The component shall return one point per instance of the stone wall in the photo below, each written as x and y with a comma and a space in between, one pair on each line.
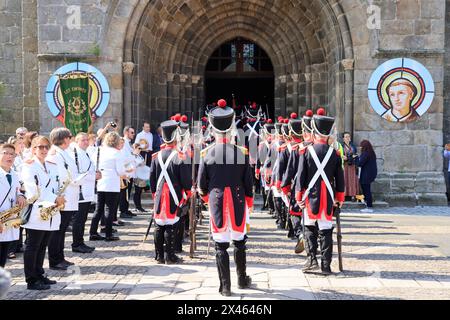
409, 155
11, 115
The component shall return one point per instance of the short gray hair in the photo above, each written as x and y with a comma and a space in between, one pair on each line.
58, 135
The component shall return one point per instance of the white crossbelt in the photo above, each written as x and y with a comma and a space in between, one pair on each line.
253, 131
165, 175
320, 171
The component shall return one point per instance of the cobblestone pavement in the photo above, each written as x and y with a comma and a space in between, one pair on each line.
387, 255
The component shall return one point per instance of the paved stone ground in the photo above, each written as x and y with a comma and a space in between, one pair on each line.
399, 253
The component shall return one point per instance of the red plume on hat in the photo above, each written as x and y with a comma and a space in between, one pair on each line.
172, 118
204, 119
203, 127
321, 112
269, 121
294, 115
177, 117
309, 113
184, 118
286, 121
280, 119
254, 105
222, 103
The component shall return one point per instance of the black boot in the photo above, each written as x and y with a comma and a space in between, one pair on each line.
169, 236
279, 212
240, 259
159, 243
223, 268
264, 195
179, 233
290, 227
326, 249
311, 245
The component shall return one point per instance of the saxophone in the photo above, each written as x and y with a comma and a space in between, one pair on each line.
11, 217
47, 213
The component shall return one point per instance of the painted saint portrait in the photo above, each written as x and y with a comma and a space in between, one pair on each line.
401, 90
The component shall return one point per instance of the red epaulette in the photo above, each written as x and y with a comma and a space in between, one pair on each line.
155, 155
181, 155
302, 148
296, 146
282, 147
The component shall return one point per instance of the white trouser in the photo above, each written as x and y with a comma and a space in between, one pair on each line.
167, 222
229, 235
322, 223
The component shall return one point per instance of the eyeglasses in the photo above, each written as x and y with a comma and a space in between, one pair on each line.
5, 153
46, 147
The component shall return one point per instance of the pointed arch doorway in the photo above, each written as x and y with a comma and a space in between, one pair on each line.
240, 67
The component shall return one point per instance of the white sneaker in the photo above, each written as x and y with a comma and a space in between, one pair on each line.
366, 210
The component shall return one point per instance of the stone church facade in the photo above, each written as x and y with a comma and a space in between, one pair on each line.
154, 54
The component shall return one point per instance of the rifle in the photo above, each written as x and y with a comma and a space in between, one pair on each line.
337, 214
148, 229
192, 224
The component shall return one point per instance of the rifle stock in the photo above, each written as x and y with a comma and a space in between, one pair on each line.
337, 213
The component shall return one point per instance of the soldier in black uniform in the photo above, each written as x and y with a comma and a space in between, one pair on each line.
319, 193
300, 128
225, 182
170, 183
263, 151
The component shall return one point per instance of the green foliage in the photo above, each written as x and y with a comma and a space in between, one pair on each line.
95, 50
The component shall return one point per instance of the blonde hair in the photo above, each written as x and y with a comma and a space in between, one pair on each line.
112, 139
80, 135
38, 139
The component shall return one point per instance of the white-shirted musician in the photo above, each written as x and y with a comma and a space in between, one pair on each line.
10, 196
145, 140
67, 169
112, 168
86, 191
39, 176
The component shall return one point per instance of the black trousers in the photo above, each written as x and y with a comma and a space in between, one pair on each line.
79, 223
4, 250
56, 243
34, 253
367, 194
124, 203
137, 196
111, 200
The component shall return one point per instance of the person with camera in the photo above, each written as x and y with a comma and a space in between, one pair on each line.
350, 168
40, 181
131, 153
111, 166
170, 183
146, 140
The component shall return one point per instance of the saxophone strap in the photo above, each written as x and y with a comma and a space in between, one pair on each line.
6, 197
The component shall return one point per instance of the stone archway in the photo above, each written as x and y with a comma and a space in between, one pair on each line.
169, 45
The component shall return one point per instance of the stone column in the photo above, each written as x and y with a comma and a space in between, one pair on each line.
128, 112
30, 73
348, 94
183, 79
176, 94
308, 91
283, 93
195, 103
169, 93
295, 77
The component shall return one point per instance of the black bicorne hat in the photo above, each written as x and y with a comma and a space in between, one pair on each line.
269, 128
221, 117
322, 125
169, 129
295, 125
278, 126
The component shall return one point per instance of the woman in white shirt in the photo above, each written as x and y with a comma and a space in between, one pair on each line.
111, 166
39, 174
